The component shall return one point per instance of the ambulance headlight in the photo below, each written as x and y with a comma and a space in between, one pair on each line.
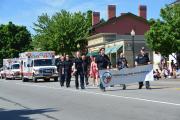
55, 71
12, 73
17, 73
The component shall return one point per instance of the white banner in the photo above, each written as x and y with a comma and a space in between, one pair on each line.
126, 75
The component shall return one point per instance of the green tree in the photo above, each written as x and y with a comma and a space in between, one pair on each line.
164, 35
14, 39
62, 32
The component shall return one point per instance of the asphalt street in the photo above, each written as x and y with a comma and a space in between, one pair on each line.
49, 101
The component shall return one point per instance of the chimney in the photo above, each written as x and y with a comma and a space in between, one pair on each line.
111, 11
95, 18
142, 11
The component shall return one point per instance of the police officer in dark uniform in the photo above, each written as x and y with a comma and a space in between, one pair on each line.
143, 59
60, 68
103, 62
67, 70
79, 71
121, 63
85, 65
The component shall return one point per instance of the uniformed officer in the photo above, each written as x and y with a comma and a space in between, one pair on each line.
143, 59
85, 65
121, 63
79, 71
60, 68
67, 70
103, 62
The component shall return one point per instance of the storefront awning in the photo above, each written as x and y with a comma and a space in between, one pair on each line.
95, 53
115, 49
108, 50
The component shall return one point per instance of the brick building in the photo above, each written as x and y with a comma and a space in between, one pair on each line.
114, 34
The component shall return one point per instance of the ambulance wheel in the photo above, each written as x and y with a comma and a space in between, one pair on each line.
56, 79
24, 79
6, 78
34, 79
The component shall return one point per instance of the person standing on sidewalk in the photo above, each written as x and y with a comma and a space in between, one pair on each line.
142, 59
78, 71
121, 63
60, 68
67, 70
103, 62
85, 66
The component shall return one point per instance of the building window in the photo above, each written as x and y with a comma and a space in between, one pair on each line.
110, 38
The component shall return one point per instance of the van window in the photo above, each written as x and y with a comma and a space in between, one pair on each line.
43, 62
15, 66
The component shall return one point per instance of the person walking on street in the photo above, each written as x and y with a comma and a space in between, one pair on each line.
142, 59
85, 66
121, 63
103, 62
60, 68
79, 71
67, 70
94, 72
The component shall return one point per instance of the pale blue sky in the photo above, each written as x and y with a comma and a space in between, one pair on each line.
25, 12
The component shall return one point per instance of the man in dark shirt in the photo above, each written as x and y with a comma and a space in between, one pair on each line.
121, 63
60, 68
67, 70
79, 71
103, 62
85, 68
143, 59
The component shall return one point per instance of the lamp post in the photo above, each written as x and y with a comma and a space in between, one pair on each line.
78, 46
133, 35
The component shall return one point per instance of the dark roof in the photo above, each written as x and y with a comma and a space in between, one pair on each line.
118, 18
176, 2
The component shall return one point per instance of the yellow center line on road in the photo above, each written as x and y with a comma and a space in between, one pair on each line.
177, 88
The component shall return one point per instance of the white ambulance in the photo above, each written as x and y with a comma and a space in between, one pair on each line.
38, 65
11, 68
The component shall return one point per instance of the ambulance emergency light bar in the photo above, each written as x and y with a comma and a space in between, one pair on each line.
39, 54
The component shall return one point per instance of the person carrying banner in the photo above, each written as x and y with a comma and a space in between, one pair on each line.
142, 59
121, 63
103, 62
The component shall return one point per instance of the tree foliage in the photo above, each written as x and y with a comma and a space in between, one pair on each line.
62, 32
14, 39
164, 35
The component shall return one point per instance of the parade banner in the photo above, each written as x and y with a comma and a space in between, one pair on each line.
126, 75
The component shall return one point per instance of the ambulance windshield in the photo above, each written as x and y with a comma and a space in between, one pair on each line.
15, 66
43, 62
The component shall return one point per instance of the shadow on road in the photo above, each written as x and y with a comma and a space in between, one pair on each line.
23, 114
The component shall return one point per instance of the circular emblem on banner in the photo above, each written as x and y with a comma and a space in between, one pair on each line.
107, 77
